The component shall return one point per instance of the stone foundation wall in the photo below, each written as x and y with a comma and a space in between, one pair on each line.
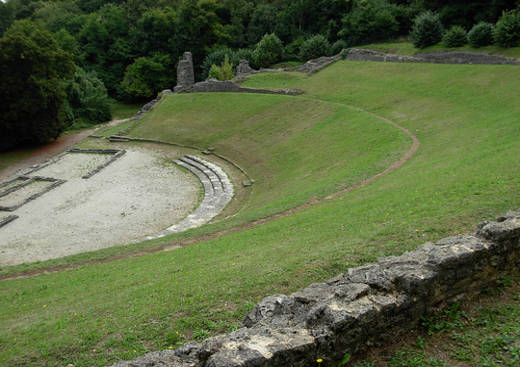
214, 85
362, 307
437, 57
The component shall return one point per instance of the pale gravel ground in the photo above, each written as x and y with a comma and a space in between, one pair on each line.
137, 195
17, 197
73, 165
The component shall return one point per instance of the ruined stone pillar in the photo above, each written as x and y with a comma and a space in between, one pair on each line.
185, 73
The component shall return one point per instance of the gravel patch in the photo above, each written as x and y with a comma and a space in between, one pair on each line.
73, 165
137, 195
17, 197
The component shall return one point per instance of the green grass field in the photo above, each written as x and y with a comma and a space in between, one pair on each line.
407, 49
466, 169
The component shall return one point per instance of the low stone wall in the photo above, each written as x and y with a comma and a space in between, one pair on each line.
213, 85
437, 57
357, 309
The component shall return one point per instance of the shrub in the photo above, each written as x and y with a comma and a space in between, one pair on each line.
147, 76
268, 51
481, 35
369, 21
216, 57
344, 53
222, 72
292, 50
507, 29
314, 47
339, 46
455, 37
87, 99
427, 30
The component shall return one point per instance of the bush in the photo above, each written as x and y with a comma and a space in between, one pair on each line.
314, 47
427, 30
146, 77
369, 21
455, 37
344, 53
268, 51
222, 72
217, 57
339, 46
507, 29
87, 99
292, 50
481, 35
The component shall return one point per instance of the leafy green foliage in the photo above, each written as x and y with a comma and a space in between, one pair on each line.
268, 51
292, 50
314, 47
481, 35
33, 68
507, 29
456, 36
369, 21
339, 46
222, 72
147, 76
87, 98
427, 30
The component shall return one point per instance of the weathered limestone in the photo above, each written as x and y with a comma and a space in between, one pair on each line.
218, 192
315, 65
214, 85
244, 68
362, 307
185, 73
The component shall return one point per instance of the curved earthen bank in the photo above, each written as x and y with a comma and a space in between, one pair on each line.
367, 304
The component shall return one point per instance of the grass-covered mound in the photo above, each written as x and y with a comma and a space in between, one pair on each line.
296, 149
466, 169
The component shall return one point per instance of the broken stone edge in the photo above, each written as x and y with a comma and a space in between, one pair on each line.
363, 307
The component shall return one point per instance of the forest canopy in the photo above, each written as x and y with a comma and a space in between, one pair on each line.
133, 46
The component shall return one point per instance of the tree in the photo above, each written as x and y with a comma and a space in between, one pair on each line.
222, 72
507, 29
369, 21
147, 76
427, 30
33, 68
268, 51
314, 47
87, 98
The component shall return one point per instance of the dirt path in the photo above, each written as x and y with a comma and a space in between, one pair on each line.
47, 151
173, 246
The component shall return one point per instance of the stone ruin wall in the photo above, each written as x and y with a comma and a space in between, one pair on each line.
364, 306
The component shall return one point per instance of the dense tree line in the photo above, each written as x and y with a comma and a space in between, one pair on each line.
133, 46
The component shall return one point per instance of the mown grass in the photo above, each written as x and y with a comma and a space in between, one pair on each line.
296, 149
407, 49
121, 110
466, 170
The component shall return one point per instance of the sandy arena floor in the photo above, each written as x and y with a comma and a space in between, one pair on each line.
137, 195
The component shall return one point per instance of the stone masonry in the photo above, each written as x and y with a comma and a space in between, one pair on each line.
185, 73
362, 307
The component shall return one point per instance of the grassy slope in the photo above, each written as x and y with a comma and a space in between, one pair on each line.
296, 149
484, 333
407, 48
466, 169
